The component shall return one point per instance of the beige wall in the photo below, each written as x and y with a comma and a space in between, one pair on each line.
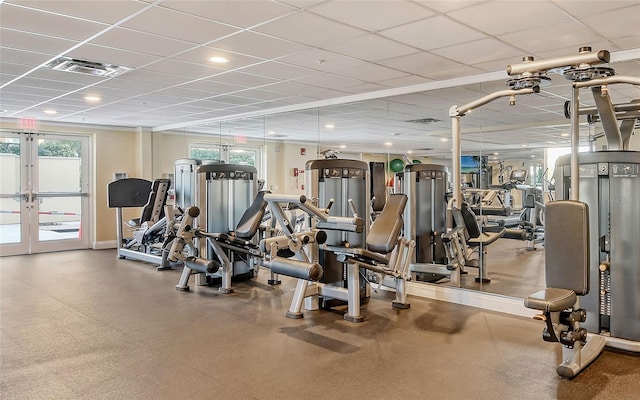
146, 154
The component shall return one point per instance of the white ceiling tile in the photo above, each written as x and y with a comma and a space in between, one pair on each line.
404, 81
321, 60
211, 86
303, 4
498, 65
568, 51
278, 70
182, 68
433, 33
27, 20
242, 79
108, 55
23, 57
479, 51
238, 13
155, 77
33, 42
50, 84
496, 18
372, 15
371, 73
330, 81
173, 24
627, 42
447, 5
130, 40
371, 48
294, 88
261, 94
127, 84
95, 10
13, 69
256, 44
592, 7
451, 73
181, 93
201, 55
626, 20
306, 28
62, 76
565, 34
419, 63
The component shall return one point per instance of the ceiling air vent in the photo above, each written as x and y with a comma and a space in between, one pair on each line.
86, 67
425, 121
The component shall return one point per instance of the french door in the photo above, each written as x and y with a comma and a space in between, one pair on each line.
44, 192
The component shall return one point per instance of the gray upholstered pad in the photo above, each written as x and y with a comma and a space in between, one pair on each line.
551, 299
566, 245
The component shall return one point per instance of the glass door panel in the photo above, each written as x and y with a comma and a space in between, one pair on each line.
44, 193
13, 230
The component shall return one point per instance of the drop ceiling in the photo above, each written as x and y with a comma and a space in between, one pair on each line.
296, 68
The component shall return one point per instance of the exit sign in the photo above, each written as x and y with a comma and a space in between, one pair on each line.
29, 123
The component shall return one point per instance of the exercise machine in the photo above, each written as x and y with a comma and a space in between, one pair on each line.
567, 277
149, 232
385, 254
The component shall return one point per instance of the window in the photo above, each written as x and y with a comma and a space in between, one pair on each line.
243, 155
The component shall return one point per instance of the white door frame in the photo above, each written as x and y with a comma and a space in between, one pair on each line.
30, 196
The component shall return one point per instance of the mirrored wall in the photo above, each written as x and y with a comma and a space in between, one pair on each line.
509, 147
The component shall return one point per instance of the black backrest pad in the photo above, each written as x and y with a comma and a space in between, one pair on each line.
566, 243
250, 221
470, 221
129, 192
156, 201
384, 232
378, 185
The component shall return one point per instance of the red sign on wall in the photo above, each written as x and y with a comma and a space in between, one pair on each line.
29, 123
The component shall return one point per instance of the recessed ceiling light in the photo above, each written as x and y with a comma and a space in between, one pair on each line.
329, 126
496, 153
92, 99
409, 152
444, 139
523, 145
564, 134
342, 146
50, 112
533, 156
219, 60
271, 132
388, 144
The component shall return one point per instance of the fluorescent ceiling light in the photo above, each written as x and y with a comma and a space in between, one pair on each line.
219, 60
92, 99
50, 112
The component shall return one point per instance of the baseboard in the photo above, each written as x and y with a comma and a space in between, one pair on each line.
471, 298
105, 244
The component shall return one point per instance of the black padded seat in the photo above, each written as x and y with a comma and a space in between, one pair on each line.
551, 300
382, 237
476, 236
252, 217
